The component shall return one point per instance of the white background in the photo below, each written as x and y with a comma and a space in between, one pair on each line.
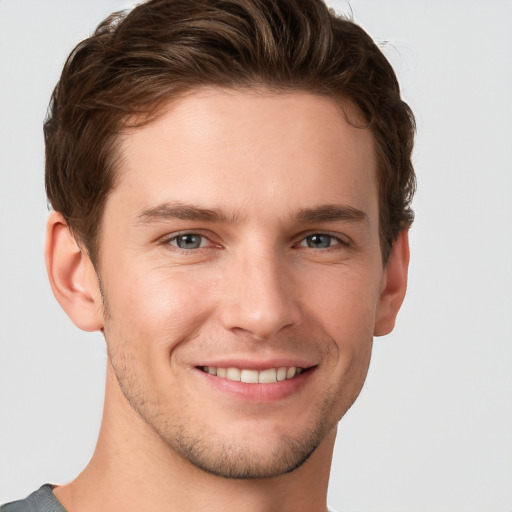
432, 429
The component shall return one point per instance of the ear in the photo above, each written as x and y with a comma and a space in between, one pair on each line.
393, 285
72, 276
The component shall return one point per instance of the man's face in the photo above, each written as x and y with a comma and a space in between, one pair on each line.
241, 242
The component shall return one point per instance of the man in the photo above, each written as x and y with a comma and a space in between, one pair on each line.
231, 185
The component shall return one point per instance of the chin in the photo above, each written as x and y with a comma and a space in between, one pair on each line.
251, 449
238, 460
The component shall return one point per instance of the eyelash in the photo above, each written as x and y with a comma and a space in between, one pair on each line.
303, 242
176, 237
339, 241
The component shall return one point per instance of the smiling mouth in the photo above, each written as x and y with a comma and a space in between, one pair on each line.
268, 376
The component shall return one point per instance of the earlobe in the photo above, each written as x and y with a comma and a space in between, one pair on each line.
72, 276
394, 285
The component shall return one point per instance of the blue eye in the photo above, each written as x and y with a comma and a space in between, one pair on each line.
188, 241
320, 241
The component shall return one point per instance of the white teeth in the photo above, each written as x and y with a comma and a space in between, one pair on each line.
268, 376
233, 374
249, 376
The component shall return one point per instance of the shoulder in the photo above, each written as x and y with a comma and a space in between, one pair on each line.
42, 500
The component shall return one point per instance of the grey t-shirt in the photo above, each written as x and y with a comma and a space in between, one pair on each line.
42, 500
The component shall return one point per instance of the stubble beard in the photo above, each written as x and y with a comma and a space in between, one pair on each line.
233, 458
236, 461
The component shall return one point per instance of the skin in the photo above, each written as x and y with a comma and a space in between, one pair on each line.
286, 272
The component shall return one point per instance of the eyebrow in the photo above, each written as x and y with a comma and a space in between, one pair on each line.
173, 211
332, 212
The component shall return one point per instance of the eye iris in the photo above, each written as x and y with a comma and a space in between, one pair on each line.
319, 241
188, 241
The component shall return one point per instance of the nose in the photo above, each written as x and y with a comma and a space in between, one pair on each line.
261, 295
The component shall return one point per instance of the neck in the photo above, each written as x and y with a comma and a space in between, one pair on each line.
132, 468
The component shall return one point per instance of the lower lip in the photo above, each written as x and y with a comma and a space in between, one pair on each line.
259, 393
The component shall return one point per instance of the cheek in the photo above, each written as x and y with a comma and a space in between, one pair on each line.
345, 301
155, 310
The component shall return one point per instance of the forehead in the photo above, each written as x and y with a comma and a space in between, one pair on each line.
250, 149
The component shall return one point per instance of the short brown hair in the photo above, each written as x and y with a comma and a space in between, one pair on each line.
137, 61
